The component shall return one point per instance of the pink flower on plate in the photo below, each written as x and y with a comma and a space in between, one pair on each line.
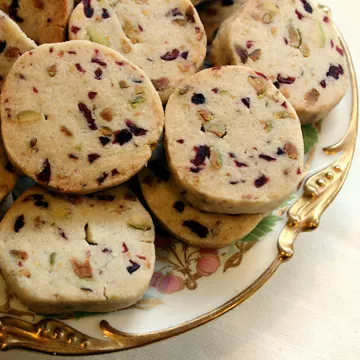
167, 284
207, 264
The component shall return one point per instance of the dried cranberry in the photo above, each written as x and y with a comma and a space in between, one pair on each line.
134, 267
104, 140
299, 14
284, 105
114, 172
197, 228
19, 223
93, 157
232, 155
198, 99
335, 71
98, 74
307, 6
92, 95
189, 14
202, 152
289, 80
86, 112
277, 84
125, 249
122, 137
179, 206
98, 61
174, 12
233, 182
240, 164
13, 9
332, 43
3, 44
261, 181
326, 19
323, 83
280, 151
105, 14
62, 233
184, 55
72, 156
102, 178
246, 102
249, 44
137, 131
180, 141
44, 175
106, 197
107, 251
196, 170
261, 75
266, 157
79, 68
286, 41
88, 10
170, 55
340, 50
38, 199
75, 29
215, 90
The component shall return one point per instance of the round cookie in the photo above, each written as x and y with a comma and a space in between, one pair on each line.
233, 141
8, 177
61, 254
195, 227
213, 13
79, 117
296, 45
43, 21
13, 43
166, 39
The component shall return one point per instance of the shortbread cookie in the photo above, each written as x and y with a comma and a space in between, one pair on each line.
79, 117
60, 254
195, 227
8, 176
164, 38
296, 45
213, 13
42, 20
234, 143
13, 43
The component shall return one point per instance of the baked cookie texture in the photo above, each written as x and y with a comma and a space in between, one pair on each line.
60, 254
94, 134
295, 44
233, 141
43, 21
8, 177
164, 38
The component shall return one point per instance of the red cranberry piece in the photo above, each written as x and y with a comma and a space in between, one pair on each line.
185, 54
170, 55
215, 90
280, 151
141, 257
98, 74
75, 29
19, 223
125, 249
202, 152
340, 50
307, 6
72, 156
326, 19
114, 172
137, 131
140, 27
62, 233
332, 44
197, 228
261, 75
286, 41
92, 95
246, 102
198, 99
134, 267
233, 182
284, 105
79, 68
249, 44
277, 84
93, 157
180, 141
261, 181
88, 10
174, 12
323, 83
45, 174
196, 170
266, 157
122, 137
102, 178
335, 71
104, 140
179, 206
105, 14
299, 14
35, 90
98, 61
232, 155
240, 164
107, 251
282, 80
86, 112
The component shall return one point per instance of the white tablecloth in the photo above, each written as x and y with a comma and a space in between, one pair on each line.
310, 309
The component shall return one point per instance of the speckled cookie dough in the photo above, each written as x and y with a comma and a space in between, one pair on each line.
296, 45
164, 38
8, 176
166, 201
61, 254
43, 21
13, 43
233, 141
79, 117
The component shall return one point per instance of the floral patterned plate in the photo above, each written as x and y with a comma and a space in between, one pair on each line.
192, 286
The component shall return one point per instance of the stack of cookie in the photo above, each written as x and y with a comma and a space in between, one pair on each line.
83, 117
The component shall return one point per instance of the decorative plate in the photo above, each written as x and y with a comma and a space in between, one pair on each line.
192, 286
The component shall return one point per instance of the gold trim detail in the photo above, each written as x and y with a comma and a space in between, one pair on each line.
52, 336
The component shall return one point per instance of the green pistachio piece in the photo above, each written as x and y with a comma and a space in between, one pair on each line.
28, 116
96, 36
216, 129
215, 157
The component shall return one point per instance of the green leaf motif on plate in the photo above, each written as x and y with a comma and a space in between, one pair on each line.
264, 227
310, 135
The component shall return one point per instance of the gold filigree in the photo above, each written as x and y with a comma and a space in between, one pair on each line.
319, 191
